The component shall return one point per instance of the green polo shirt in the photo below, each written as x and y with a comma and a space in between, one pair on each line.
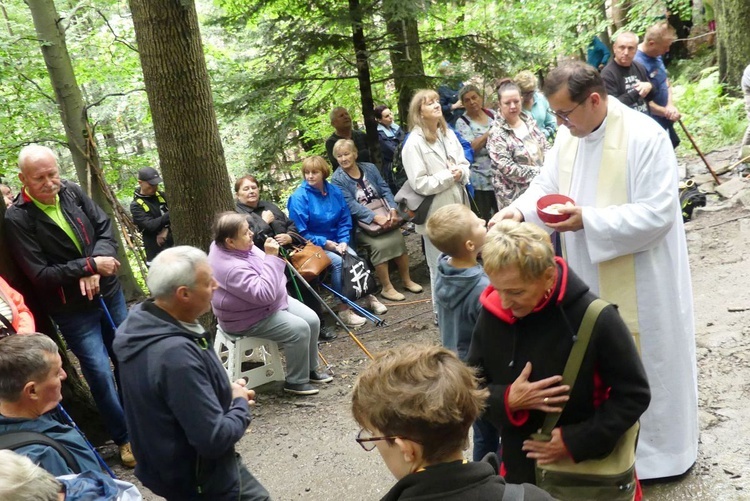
55, 214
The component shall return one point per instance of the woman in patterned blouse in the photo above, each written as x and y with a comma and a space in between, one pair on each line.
516, 146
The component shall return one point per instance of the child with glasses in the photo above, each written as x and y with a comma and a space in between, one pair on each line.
415, 404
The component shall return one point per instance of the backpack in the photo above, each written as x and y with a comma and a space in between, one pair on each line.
690, 198
16, 439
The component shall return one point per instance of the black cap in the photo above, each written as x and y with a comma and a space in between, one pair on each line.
150, 175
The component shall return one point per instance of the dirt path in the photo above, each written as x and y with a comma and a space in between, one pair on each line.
304, 449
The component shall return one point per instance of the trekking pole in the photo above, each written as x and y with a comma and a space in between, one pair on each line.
362, 311
309, 287
700, 153
88, 444
106, 313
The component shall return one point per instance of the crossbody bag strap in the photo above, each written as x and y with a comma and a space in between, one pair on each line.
573, 365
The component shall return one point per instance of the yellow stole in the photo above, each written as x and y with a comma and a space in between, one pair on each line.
616, 276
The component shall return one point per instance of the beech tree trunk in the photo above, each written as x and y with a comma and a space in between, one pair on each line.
81, 143
733, 42
186, 132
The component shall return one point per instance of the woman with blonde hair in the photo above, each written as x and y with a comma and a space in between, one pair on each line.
362, 184
529, 323
536, 104
434, 163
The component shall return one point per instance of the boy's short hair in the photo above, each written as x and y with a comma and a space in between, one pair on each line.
422, 393
449, 227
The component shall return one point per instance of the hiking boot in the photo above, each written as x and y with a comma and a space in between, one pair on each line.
327, 334
351, 319
375, 306
392, 295
320, 377
301, 389
126, 456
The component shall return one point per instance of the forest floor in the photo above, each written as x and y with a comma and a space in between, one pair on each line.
303, 448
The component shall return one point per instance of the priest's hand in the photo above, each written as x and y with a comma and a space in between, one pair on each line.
546, 452
506, 213
573, 223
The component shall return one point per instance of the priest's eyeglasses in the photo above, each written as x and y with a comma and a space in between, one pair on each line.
563, 115
367, 441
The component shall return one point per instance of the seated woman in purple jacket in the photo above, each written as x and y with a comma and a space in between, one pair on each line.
251, 300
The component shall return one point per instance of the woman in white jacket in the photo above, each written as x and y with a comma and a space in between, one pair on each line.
434, 162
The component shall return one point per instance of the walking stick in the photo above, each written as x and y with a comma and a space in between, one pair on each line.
700, 153
304, 282
75, 426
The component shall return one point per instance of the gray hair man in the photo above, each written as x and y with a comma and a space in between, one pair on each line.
65, 244
341, 121
625, 78
185, 415
31, 377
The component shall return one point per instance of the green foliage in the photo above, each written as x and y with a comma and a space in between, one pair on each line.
713, 118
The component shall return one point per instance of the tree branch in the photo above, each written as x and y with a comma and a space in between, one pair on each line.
32, 82
114, 34
115, 94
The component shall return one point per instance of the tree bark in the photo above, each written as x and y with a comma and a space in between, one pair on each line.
365, 86
732, 27
186, 132
82, 146
406, 61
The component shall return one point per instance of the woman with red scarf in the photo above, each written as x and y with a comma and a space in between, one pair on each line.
529, 321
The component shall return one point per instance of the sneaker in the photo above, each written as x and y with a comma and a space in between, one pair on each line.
126, 456
320, 377
301, 389
392, 295
327, 334
375, 306
351, 319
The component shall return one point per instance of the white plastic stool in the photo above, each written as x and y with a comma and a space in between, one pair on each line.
262, 354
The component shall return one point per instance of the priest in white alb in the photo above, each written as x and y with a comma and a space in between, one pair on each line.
626, 239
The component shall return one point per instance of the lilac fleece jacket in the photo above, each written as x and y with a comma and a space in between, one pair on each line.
252, 287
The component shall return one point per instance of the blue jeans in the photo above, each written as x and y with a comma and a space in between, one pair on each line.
337, 263
486, 439
89, 335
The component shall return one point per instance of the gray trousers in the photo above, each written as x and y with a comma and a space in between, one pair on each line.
431, 255
296, 329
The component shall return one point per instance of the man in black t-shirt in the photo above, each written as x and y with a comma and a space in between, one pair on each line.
626, 79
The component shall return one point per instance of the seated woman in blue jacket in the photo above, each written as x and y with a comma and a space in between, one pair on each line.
322, 216
362, 184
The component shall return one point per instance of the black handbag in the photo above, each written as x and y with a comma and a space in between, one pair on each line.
415, 206
357, 279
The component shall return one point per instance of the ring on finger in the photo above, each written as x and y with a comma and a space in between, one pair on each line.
546, 400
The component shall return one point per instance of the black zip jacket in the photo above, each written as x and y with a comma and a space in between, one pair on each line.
151, 215
261, 229
50, 259
609, 395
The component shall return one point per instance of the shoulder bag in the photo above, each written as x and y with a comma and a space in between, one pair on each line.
307, 258
380, 207
608, 479
415, 206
